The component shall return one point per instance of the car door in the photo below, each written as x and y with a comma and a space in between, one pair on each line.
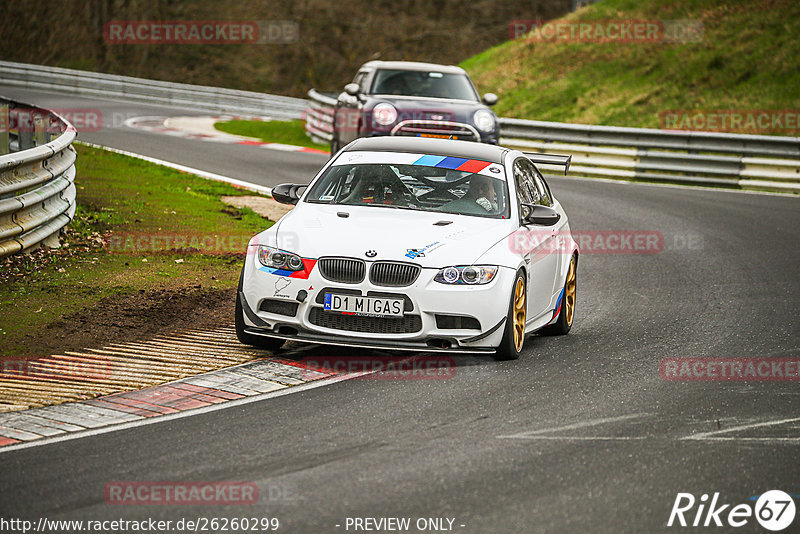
561, 249
540, 255
348, 112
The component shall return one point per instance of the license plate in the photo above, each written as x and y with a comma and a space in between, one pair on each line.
438, 136
368, 306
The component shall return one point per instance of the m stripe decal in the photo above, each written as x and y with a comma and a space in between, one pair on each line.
429, 161
449, 162
473, 165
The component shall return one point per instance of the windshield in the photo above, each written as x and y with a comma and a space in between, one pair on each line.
417, 187
423, 83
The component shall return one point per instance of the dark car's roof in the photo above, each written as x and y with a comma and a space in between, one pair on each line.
413, 65
439, 147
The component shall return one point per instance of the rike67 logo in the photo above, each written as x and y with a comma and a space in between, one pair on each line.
774, 510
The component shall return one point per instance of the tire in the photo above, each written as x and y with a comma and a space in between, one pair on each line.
268, 343
514, 332
567, 314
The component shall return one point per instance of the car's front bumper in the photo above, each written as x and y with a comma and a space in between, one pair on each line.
307, 321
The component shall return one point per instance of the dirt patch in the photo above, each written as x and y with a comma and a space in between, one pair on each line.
72, 243
133, 317
266, 207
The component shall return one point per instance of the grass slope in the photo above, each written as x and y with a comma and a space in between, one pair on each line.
286, 132
748, 59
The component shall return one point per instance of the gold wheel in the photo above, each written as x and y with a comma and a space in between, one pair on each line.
519, 314
569, 297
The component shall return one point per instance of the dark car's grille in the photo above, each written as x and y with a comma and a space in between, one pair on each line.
393, 274
426, 127
373, 325
345, 270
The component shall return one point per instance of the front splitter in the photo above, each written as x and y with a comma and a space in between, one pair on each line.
345, 341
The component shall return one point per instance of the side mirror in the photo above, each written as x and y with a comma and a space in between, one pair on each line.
287, 193
490, 99
352, 89
541, 215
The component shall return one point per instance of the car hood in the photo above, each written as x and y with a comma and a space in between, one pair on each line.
315, 230
417, 108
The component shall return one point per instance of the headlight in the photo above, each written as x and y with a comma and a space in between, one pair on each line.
466, 274
384, 114
484, 120
279, 259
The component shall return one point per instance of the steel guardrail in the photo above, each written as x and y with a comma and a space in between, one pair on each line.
114, 86
319, 117
692, 157
37, 181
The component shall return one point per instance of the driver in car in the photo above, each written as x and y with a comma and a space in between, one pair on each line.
480, 198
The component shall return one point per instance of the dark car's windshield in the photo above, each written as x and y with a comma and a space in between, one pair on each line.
429, 84
417, 187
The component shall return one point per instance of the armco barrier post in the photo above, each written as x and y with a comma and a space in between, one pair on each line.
5, 141
39, 132
25, 130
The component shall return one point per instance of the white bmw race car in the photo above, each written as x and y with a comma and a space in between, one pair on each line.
417, 244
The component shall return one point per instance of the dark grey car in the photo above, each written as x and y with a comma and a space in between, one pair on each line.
413, 99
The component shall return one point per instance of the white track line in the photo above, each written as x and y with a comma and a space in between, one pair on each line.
776, 441
711, 435
536, 434
578, 438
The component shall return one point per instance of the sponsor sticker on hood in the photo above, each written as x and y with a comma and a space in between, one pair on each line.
415, 253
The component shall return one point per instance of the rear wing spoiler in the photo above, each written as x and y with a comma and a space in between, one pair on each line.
550, 159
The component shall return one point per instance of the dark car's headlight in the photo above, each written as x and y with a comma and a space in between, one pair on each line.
484, 120
466, 274
279, 259
384, 114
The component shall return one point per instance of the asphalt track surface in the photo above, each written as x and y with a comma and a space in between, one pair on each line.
580, 435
